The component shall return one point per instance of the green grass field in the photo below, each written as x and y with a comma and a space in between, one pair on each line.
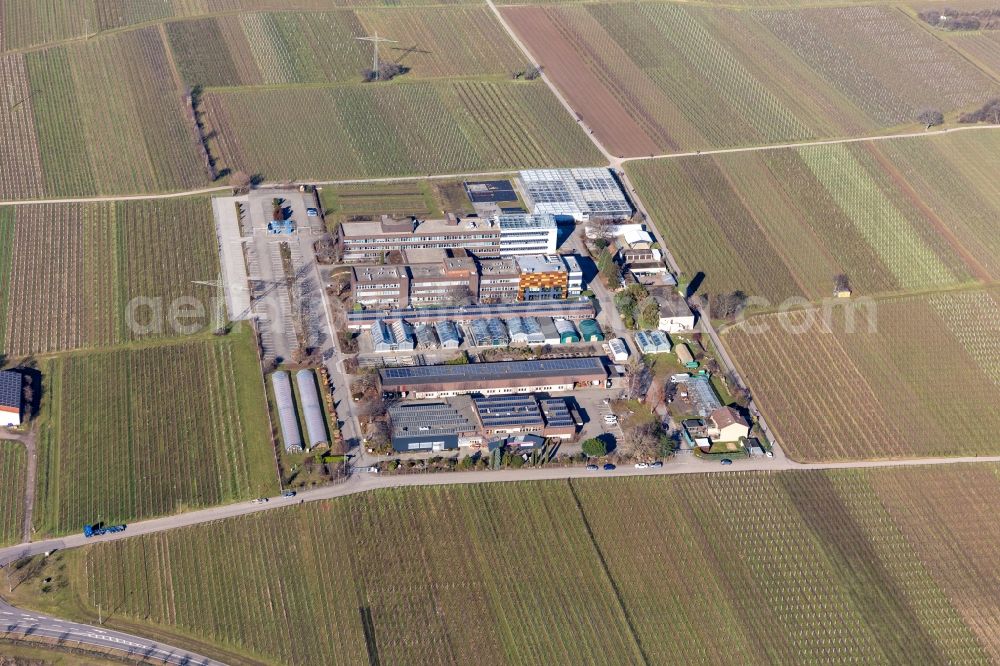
107, 254
12, 468
774, 567
134, 433
907, 214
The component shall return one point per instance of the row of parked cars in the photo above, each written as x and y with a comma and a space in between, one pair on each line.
609, 467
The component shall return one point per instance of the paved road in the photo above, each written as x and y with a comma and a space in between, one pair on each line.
363, 482
29, 624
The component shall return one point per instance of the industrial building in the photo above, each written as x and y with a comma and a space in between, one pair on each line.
10, 398
558, 420
433, 426
550, 335
549, 375
286, 411
578, 194
508, 234
312, 410
508, 414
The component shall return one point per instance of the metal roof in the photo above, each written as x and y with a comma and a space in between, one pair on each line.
437, 418
541, 369
506, 411
311, 408
556, 413
10, 388
286, 411
447, 332
568, 308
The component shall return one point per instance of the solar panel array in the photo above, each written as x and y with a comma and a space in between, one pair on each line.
507, 411
10, 389
552, 367
427, 419
556, 413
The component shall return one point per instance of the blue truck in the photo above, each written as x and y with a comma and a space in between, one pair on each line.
98, 529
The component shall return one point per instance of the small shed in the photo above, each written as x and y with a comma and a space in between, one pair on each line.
11, 394
286, 411
312, 411
617, 350
567, 332
550, 336
684, 355
590, 331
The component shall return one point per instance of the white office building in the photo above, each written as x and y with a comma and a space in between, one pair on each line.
527, 234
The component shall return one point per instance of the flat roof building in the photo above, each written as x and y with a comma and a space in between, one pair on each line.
11, 393
508, 414
568, 309
432, 426
579, 194
431, 381
542, 278
522, 233
558, 421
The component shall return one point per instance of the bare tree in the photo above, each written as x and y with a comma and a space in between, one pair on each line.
930, 117
638, 378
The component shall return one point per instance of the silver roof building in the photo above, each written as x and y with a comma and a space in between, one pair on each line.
575, 193
312, 410
286, 411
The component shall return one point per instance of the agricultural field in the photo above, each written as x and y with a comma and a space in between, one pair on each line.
288, 47
898, 377
983, 48
21, 170
107, 255
409, 128
782, 223
802, 560
656, 77
116, 99
12, 469
139, 432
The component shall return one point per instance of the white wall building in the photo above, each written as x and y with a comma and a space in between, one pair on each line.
10, 398
521, 234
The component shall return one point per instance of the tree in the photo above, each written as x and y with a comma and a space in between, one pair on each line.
609, 269
643, 441
240, 182
594, 448
649, 313
602, 229
987, 113
727, 306
930, 117
638, 378
841, 283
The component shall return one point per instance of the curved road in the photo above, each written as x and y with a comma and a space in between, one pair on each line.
33, 625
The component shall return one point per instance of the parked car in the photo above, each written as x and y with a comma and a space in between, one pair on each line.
610, 418
312, 212
657, 465
727, 461
608, 467
259, 500
641, 465
769, 454
288, 493
373, 469
592, 468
